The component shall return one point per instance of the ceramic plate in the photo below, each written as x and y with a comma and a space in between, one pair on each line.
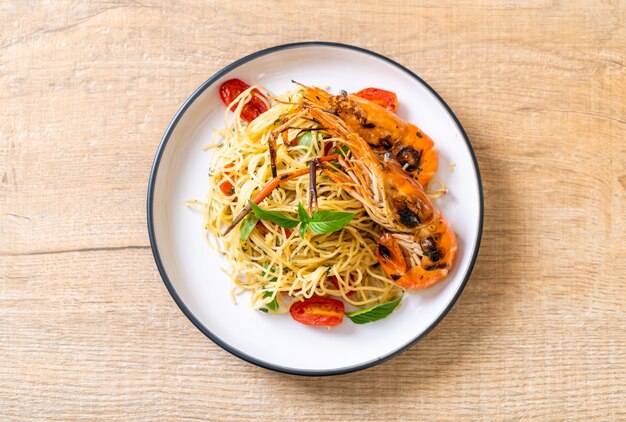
191, 270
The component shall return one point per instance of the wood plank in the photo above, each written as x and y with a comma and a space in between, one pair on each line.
88, 329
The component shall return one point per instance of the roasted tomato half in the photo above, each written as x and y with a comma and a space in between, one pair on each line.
232, 88
318, 311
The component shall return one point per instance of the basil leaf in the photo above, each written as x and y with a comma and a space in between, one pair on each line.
276, 217
374, 313
303, 213
306, 139
303, 227
247, 226
324, 222
304, 219
263, 310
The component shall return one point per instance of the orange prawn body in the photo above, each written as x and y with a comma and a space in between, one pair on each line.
416, 223
383, 130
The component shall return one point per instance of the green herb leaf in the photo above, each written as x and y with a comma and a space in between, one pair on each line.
276, 217
374, 313
247, 225
305, 139
324, 222
304, 219
263, 310
303, 213
303, 228
273, 305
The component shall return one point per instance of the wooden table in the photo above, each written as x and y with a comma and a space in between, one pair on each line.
87, 328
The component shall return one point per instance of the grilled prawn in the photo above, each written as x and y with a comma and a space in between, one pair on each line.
382, 129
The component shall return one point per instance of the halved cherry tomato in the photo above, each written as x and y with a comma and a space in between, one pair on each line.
318, 311
227, 188
385, 99
231, 89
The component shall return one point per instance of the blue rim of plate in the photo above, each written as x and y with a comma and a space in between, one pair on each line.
170, 287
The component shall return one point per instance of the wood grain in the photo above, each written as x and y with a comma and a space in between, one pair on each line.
88, 330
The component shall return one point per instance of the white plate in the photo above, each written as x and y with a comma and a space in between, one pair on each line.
190, 269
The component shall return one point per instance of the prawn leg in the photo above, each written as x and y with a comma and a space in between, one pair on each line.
312, 199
